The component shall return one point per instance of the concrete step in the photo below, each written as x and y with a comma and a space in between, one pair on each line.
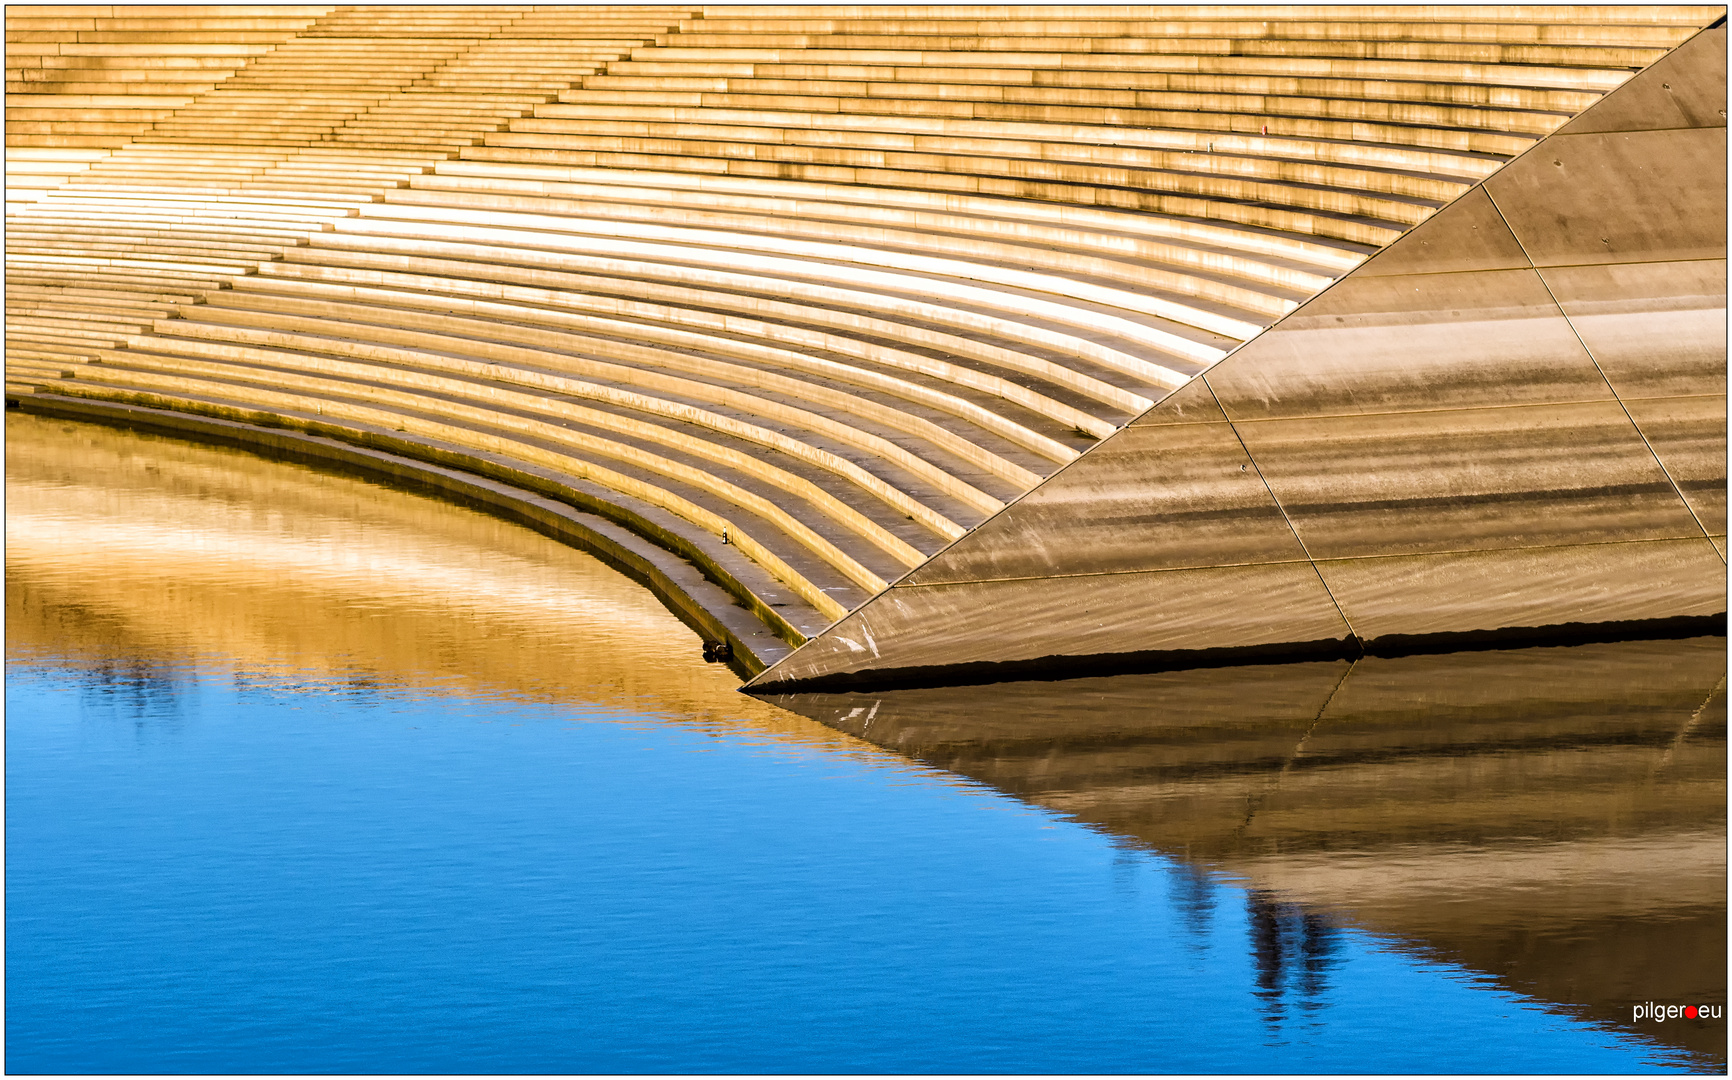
1400, 199
643, 419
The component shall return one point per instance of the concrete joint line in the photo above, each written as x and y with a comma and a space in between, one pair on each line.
1254, 803
1640, 434
898, 583
1685, 731
1300, 540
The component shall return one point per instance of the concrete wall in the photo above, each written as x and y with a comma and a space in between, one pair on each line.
1510, 422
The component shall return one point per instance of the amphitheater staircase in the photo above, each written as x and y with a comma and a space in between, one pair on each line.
794, 296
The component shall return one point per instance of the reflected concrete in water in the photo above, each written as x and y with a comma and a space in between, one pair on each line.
1551, 817
119, 542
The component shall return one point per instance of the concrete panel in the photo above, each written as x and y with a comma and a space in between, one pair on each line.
1486, 591
1416, 341
1192, 403
1154, 498
1633, 196
1450, 480
1011, 622
1656, 329
1472, 236
1688, 435
1686, 88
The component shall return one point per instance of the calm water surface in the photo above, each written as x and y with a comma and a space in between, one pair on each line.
308, 775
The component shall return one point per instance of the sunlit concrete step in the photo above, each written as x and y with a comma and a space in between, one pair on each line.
645, 393
81, 127
1397, 198
274, 133
60, 62
944, 380
1367, 231
989, 441
1492, 84
382, 81
719, 284
935, 86
660, 60
68, 141
1307, 48
114, 295
153, 281
413, 106
234, 54
167, 41
1345, 24
837, 488
30, 113
1005, 289
1282, 263
83, 328
144, 200
1396, 125
18, 166
714, 306
451, 143
131, 321
165, 87
427, 97
157, 24
515, 83
153, 172
161, 253
314, 71
1173, 279
1611, 14
241, 97
76, 299
58, 78
907, 131
28, 232
1328, 256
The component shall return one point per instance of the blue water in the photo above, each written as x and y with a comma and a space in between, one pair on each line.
215, 872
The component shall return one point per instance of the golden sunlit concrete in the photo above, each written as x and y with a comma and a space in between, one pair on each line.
800, 295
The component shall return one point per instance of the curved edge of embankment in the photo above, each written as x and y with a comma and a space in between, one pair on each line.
701, 594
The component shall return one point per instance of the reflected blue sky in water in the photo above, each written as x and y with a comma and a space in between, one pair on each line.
308, 775
212, 873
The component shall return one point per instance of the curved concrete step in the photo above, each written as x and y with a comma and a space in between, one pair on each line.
802, 295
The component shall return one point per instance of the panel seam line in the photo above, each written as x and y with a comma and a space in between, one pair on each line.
1321, 580
1640, 434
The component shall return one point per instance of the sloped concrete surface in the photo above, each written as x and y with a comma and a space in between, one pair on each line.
1433, 448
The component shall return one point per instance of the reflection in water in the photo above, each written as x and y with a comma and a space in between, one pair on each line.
1551, 820
1292, 947
1552, 817
145, 693
302, 577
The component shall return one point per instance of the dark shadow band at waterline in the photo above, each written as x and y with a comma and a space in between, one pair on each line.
1062, 667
